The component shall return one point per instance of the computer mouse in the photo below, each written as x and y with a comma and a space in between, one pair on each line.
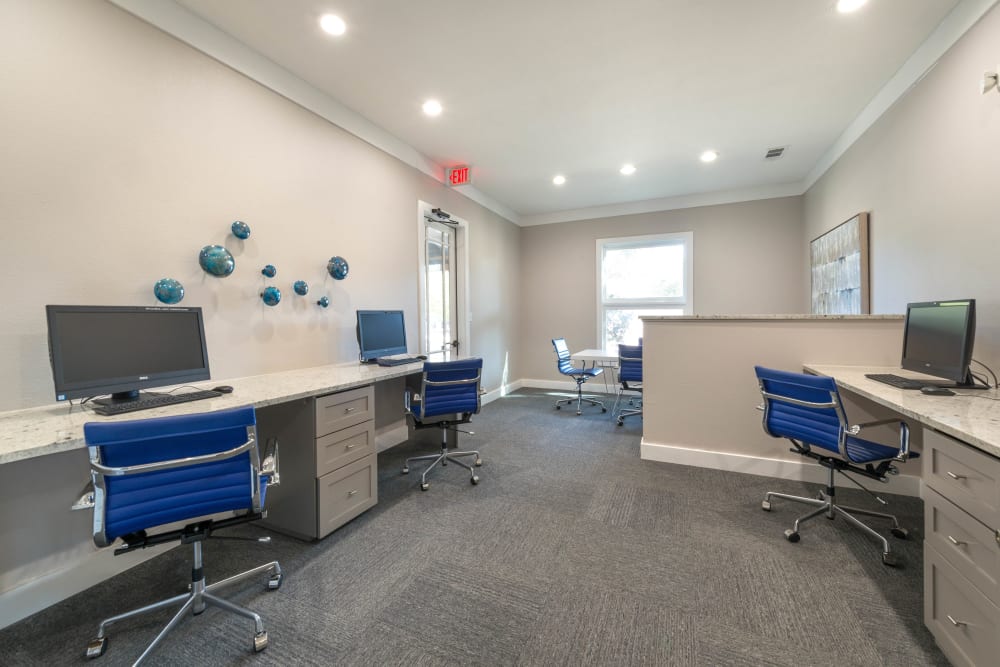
223, 389
422, 357
937, 391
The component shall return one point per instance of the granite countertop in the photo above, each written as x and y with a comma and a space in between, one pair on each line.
791, 316
56, 428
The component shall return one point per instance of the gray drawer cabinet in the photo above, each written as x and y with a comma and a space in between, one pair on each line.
328, 462
962, 549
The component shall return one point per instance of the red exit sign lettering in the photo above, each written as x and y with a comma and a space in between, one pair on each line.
458, 175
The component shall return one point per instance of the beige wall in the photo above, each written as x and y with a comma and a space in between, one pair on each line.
747, 260
126, 151
929, 172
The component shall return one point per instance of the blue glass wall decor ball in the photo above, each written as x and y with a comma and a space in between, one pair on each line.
216, 260
269, 271
301, 287
337, 267
241, 230
323, 302
271, 296
168, 290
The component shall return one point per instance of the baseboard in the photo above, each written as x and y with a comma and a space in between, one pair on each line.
85, 571
803, 471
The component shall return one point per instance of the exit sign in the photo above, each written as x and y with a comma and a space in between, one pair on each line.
458, 175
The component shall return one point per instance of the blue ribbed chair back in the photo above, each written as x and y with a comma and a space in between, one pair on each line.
445, 399
145, 500
630, 363
566, 366
819, 427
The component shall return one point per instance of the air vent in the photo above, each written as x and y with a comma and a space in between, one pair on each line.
774, 153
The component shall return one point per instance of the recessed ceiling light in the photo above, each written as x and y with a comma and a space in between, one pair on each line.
709, 156
432, 108
627, 169
559, 179
332, 24
845, 6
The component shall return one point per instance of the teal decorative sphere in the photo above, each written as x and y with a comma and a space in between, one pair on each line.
269, 271
216, 260
323, 302
301, 287
271, 296
337, 267
168, 290
241, 230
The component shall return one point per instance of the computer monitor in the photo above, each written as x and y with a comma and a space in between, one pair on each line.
118, 350
381, 333
938, 337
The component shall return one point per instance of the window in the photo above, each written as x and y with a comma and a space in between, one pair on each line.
641, 275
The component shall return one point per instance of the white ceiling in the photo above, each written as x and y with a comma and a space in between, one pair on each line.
579, 87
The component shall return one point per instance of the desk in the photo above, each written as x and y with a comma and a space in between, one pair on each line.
602, 359
961, 477
44, 467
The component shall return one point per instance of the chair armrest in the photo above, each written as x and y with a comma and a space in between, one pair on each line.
86, 500
904, 434
174, 463
269, 464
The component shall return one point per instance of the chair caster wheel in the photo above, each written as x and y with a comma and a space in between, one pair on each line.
406, 470
96, 647
578, 413
901, 533
889, 559
478, 462
558, 407
274, 582
791, 535
765, 505
424, 487
475, 480
604, 409
260, 641
621, 422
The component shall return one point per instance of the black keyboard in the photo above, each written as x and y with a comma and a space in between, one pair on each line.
151, 400
897, 380
396, 361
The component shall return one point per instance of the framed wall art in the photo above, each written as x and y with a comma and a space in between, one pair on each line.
838, 263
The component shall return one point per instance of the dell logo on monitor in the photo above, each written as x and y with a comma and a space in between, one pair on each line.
143, 377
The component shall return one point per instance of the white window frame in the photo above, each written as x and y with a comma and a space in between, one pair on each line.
686, 301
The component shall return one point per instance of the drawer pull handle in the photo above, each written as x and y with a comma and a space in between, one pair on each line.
957, 624
351, 446
957, 543
348, 410
954, 476
354, 491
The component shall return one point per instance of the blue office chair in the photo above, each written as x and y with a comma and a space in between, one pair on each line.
152, 472
808, 411
629, 379
580, 375
449, 396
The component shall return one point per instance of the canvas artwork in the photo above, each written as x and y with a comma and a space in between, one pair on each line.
839, 267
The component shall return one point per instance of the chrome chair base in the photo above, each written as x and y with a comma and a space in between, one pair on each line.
195, 601
825, 504
635, 401
443, 458
580, 400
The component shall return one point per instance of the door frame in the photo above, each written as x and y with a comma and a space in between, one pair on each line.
463, 327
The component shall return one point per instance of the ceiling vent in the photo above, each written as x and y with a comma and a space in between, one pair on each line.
774, 153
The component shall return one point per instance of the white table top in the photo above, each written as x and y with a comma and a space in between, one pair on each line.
971, 415
55, 428
595, 355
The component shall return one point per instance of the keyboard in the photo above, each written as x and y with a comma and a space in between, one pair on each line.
396, 361
153, 400
897, 381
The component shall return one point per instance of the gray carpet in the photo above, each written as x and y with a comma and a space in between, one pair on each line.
570, 551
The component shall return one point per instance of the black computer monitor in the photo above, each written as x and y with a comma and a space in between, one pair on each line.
118, 350
381, 333
938, 338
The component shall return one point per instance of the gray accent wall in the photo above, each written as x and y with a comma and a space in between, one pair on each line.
747, 260
929, 173
125, 151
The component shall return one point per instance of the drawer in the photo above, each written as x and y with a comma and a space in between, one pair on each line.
343, 409
966, 544
345, 493
964, 475
341, 447
962, 620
